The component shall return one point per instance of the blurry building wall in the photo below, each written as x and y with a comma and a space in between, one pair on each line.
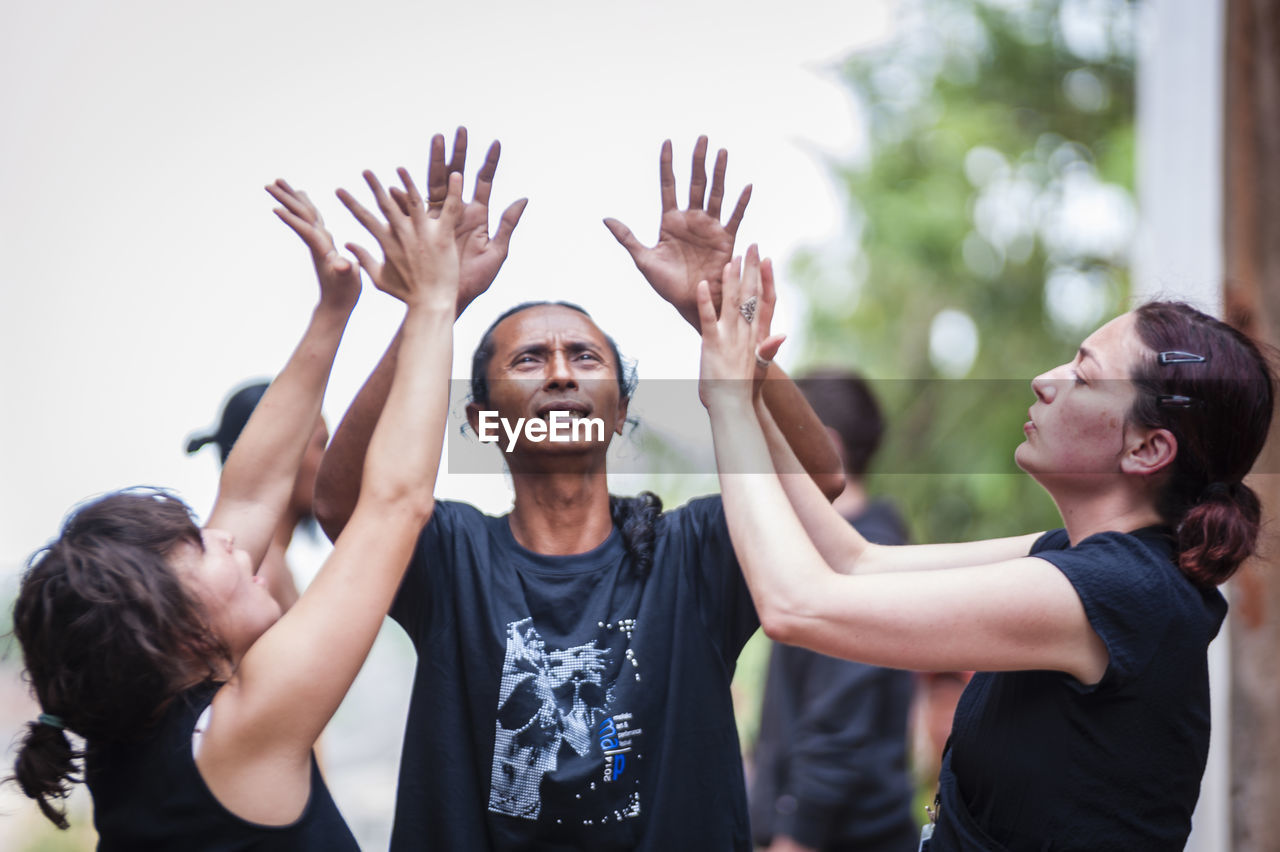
1178, 255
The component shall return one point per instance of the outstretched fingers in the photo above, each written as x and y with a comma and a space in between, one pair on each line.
507, 224
768, 298
437, 171
367, 261
452, 207
484, 180
739, 210
458, 162
389, 208
666, 177
370, 222
292, 200
717, 183
698, 174
410, 199
623, 235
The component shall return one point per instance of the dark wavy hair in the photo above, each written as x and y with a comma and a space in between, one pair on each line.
1215, 394
109, 633
635, 517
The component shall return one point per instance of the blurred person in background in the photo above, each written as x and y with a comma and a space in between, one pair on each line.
574, 655
157, 642
830, 764
299, 513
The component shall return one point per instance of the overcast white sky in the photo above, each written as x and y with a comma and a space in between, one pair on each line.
144, 274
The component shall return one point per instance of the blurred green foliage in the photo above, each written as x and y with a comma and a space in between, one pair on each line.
993, 208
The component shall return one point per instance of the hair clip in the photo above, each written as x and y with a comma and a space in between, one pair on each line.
1176, 400
1176, 356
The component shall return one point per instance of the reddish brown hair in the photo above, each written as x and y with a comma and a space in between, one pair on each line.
1215, 395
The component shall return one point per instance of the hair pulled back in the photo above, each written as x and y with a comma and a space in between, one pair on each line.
636, 517
1219, 411
109, 634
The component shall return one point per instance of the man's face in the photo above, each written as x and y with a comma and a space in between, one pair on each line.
552, 358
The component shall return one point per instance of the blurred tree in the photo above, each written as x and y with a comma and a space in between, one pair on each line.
992, 219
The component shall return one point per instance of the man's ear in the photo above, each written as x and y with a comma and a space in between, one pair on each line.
1150, 451
473, 417
620, 422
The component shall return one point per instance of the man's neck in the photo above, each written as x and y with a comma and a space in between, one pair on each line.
562, 513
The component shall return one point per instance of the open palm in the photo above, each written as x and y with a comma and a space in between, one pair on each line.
480, 255
693, 245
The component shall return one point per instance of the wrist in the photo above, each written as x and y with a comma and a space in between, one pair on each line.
731, 398
332, 310
432, 303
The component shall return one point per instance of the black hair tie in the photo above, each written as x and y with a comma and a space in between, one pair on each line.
1217, 491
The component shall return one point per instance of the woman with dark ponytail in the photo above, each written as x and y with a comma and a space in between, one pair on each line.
1087, 725
158, 644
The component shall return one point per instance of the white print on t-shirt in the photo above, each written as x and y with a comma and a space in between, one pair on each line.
551, 698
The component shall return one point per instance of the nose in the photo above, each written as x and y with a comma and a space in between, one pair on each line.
560, 372
1043, 386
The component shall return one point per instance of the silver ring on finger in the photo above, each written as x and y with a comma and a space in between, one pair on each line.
748, 309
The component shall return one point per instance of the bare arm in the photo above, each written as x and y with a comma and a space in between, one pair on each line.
257, 480
268, 716
693, 245
480, 258
843, 547
1019, 614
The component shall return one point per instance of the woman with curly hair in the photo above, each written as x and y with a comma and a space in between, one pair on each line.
158, 642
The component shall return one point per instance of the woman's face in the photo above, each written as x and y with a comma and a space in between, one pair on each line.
236, 602
1077, 424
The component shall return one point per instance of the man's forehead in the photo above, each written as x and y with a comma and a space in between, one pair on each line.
547, 322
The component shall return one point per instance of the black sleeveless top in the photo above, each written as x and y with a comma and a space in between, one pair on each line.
148, 794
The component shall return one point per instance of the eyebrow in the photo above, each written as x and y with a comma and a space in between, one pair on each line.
1085, 352
573, 347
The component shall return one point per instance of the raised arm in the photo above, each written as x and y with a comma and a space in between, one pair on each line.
258, 478
289, 683
843, 547
1019, 614
694, 245
480, 258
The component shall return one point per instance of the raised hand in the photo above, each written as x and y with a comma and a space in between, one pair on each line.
417, 240
480, 256
693, 245
339, 277
737, 346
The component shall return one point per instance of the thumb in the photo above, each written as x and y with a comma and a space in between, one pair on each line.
623, 235
507, 224
768, 348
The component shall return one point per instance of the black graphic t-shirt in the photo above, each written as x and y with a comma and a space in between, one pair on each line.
567, 702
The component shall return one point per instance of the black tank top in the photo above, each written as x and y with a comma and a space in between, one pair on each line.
148, 794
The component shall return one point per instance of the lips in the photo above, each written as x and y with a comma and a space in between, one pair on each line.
575, 408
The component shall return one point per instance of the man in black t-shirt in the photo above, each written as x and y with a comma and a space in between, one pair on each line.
574, 656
